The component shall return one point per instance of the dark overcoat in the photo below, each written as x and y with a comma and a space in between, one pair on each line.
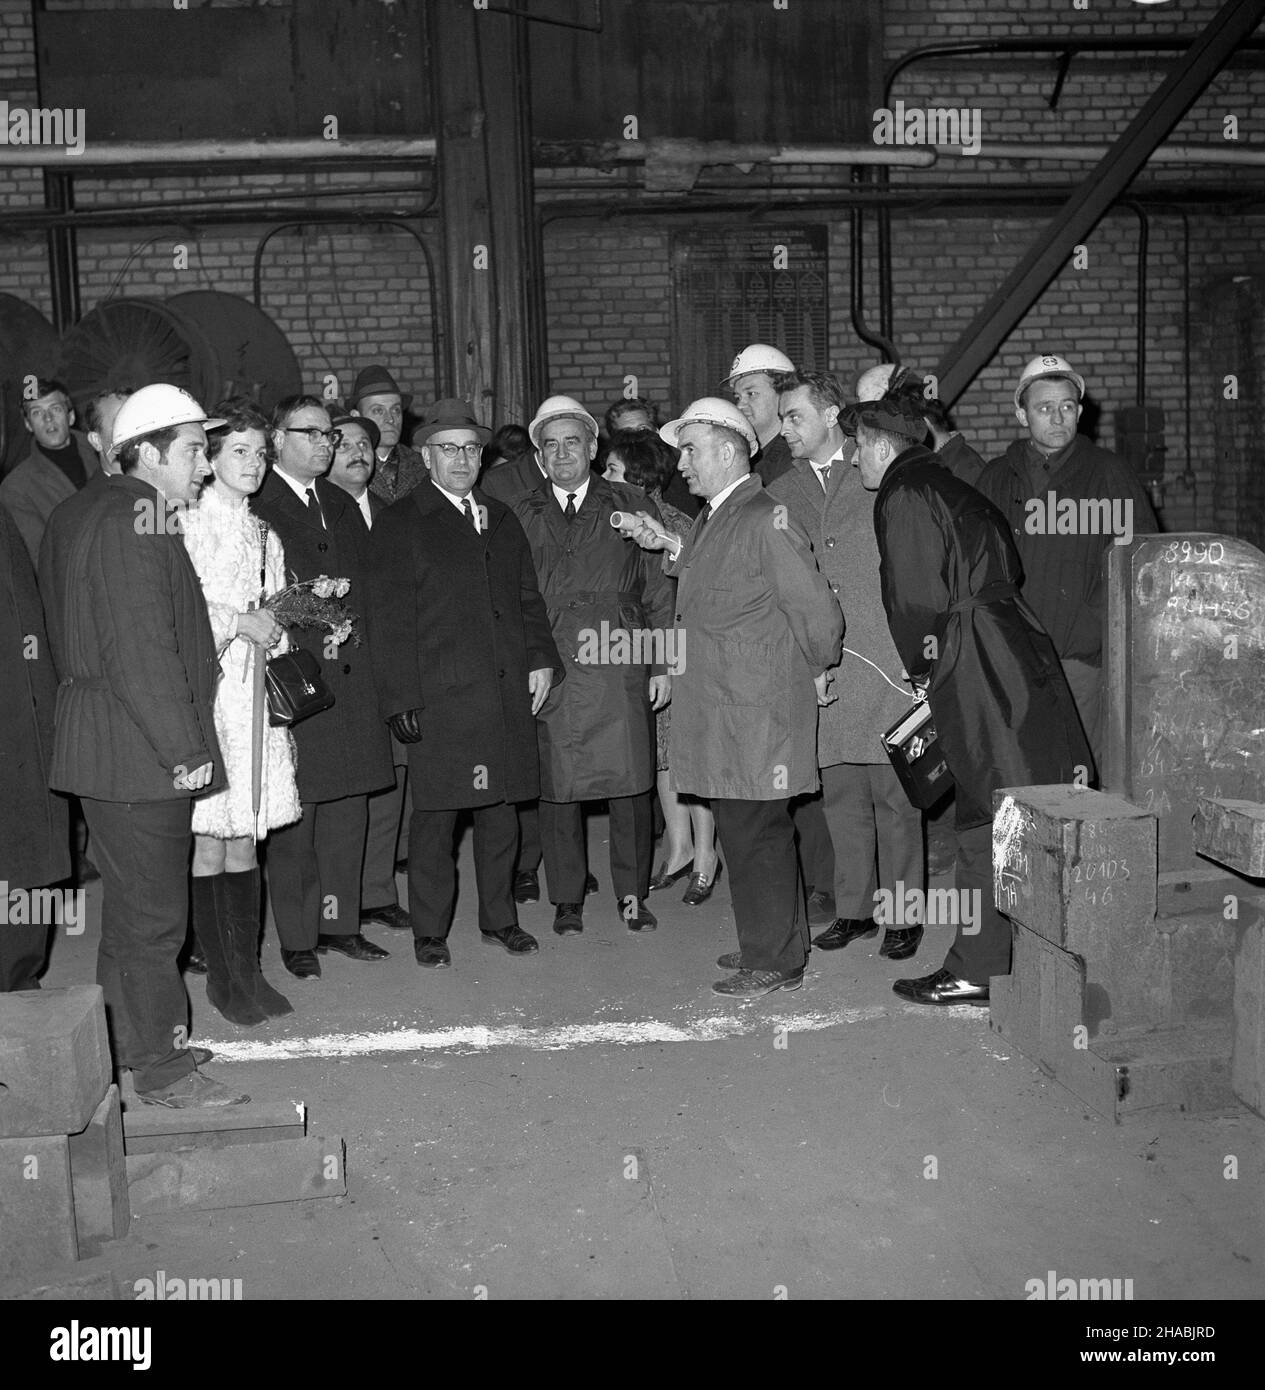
139, 668
59, 535
34, 838
840, 525
950, 573
759, 622
508, 481
343, 750
458, 624
597, 728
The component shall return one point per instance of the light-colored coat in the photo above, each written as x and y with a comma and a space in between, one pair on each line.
840, 524
35, 487
759, 624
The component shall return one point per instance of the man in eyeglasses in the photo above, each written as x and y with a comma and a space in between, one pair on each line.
1061, 548
376, 397
343, 752
465, 659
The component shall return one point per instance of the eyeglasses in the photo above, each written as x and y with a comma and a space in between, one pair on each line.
450, 451
315, 437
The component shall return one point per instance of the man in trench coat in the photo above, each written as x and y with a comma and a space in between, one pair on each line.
1002, 707
761, 627
343, 752
597, 729
464, 660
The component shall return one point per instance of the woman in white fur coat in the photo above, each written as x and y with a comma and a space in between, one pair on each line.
225, 541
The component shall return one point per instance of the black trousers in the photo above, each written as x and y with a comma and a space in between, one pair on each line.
23, 949
529, 850
757, 839
985, 950
815, 847
877, 832
386, 811
631, 841
314, 872
432, 868
143, 849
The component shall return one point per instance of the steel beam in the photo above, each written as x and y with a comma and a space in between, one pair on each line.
1233, 23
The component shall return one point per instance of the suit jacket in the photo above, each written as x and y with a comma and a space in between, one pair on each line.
139, 668
36, 486
398, 474
950, 572
597, 729
344, 750
458, 623
509, 481
760, 622
840, 524
59, 536
34, 836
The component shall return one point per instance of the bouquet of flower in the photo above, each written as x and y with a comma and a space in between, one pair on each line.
317, 603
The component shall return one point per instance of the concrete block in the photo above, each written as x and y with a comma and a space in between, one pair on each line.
1247, 1070
1231, 833
155, 1129
244, 1175
1072, 864
54, 1060
37, 1202
98, 1173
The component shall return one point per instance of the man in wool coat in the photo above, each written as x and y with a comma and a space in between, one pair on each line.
464, 659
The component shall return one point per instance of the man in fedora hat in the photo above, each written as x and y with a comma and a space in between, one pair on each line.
464, 660
376, 396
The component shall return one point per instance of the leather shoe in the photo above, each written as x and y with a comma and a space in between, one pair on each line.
843, 931
354, 946
899, 943
701, 886
302, 964
393, 915
941, 988
196, 963
663, 879
821, 908
642, 920
731, 960
590, 884
515, 940
750, 984
431, 951
526, 888
569, 919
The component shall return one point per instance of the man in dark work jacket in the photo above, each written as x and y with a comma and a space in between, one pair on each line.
1063, 572
343, 752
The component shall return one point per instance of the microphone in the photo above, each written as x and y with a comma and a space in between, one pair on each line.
619, 519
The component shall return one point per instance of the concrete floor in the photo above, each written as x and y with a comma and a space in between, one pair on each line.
620, 1132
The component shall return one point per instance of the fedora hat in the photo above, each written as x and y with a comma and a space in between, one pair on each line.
451, 414
341, 419
376, 381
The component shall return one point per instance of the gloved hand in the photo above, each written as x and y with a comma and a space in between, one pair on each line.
407, 727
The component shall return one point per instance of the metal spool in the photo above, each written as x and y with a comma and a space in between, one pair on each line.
254, 356
136, 342
28, 347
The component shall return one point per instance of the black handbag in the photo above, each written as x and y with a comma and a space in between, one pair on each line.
296, 689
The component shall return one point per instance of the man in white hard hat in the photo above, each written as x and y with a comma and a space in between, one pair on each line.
1063, 559
596, 730
761, 628
751, 381
135, 732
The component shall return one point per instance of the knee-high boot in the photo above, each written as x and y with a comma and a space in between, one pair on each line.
223, 985
240, 907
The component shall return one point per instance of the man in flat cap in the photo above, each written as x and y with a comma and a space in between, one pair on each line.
761, 628
376, 396
1002, 709
464, 660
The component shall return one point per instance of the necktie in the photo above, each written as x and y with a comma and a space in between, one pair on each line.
824, 474
702, 519
469, 511
314, 508
569, 511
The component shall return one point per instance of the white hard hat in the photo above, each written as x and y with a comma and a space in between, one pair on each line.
1050, 364
759, 357
154, 408
872, 384
558, 408
711, 410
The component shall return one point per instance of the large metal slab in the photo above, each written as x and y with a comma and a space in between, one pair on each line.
37, 1203
98, 1172
244, 1175
54, 1059
1231, 833
156, 1129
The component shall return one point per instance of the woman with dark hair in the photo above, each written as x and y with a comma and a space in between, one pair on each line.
509, 444
640, 457
227, 545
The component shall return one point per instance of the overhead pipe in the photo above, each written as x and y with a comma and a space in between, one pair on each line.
131, 154
857, 282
